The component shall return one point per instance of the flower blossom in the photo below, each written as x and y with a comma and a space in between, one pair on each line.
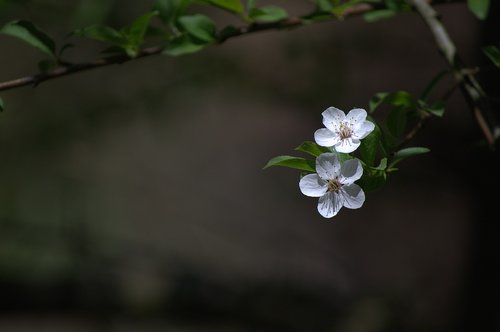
334, 184
343, 132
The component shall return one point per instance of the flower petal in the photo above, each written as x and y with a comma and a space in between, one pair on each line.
330, 204
326, 137
313, 186
355, 116
353, 196
328, 166
351, 171
362, 130
347, 145
332, 117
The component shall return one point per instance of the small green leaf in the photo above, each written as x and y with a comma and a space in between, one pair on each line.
432, 84
479, 8
183, 45
369, 146
233, 6
373, 178
437, 109
199, 26
46, 65
169, 10
292, 162
136, 31
268, 14
2, 105
399, 98
396, 121
405, 153
377, 15
324, 6
312, 148
31, 34
493, 53
102, 33
382, 166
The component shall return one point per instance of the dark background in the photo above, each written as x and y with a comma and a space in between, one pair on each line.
132, 198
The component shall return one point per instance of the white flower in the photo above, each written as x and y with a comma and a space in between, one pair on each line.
343, 131
334, 184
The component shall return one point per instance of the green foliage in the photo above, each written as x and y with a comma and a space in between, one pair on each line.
373, 177
2, 105
170, 10
199, 26
129, 39
32, 35
268, 14
396, 121
312, 148
405, 153
183, 45
479, 8
393, 7
292, 162
493, 53
369, 146
233, 6
432, 84
399, 98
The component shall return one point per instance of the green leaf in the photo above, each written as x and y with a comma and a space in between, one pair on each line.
268, 14
396, 121
199, 26
251, 4
405, 153
2, 105
493, 53
292, 162
377, 15
437, 109
233, 6
136, 31
169, 10
373, 178
324, 6
369, 146
432, 84
46, 65
31, 34
183, 45
102, 33
479, 8
399, 98
312, 148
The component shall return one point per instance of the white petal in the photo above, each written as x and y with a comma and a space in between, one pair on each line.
355, 116
347, 145
325, 137
330, 204
313, 186
362, 130
351, 171
353, 196
332, 117
328, 166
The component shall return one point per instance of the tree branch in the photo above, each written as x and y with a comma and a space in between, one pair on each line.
68, 69
471, 89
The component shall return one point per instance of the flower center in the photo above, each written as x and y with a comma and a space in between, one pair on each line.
345, 131
334, 185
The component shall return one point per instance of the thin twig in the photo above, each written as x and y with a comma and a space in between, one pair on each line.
474, 94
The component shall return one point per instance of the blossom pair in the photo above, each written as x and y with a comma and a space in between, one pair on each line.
334, 181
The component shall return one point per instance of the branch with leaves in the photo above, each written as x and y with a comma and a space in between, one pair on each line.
382, 145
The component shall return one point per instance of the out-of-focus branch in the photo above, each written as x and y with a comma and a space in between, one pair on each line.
68, 69
471, 89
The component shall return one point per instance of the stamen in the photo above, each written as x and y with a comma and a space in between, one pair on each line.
345, 131
334, 185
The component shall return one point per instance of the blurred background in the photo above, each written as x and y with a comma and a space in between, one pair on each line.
132, 198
